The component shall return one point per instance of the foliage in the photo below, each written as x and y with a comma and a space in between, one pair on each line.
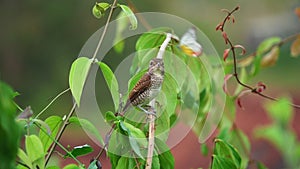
10, 131
186, 87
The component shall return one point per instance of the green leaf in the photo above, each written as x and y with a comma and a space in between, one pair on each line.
111, 82
128, 12
24, 158
265, 45
260, 52
170, 90
225, 150
155, 163
53, 123
242, 144
113, 159
280, 111
35, 150
204, 149
10, 130
53, 167
165, 156
152, 39
87, 126
123, 163
80, 151
71, 166
137, 138
95, 165
220, 162
121, 23
110, 116
77, 77
99, 9
260, 165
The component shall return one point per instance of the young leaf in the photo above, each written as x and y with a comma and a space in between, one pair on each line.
156, 163
124, 163
165, 156
128, 12
121, 22
152, 39
24, 158
204, 149
77, 77
110, 116
280, 111
35, 150
270, 58
111, 82
260, 52
80, 150
295, 47
225, 151
87, 126
53, 122
220, 162
137, 138
99, 9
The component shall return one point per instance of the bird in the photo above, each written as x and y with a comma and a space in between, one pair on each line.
147, 88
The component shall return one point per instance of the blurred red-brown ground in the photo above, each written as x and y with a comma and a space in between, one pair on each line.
188, 154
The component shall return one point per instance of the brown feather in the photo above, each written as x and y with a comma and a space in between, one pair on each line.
142, 85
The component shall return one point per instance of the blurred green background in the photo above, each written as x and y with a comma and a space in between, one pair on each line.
40, 39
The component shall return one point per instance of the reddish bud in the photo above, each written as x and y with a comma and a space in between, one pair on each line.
238, 99
228, 18
260, 87
233, 19
241, 47
224, 34
226, 78
219, 26
226, 54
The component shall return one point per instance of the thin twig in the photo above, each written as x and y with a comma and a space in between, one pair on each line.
52, 101
221, 27
61, 146
62, 129
105, 29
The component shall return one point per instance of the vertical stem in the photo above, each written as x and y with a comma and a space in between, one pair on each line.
151, 138
66, 122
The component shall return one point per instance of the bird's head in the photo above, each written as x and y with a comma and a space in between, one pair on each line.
156, 66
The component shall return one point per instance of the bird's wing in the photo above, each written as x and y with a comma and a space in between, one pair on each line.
142, 85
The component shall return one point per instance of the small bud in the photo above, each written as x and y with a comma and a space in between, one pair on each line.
237, 8
219, 26
233, 19
224, 34
238, 99
226, 54
260, 87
